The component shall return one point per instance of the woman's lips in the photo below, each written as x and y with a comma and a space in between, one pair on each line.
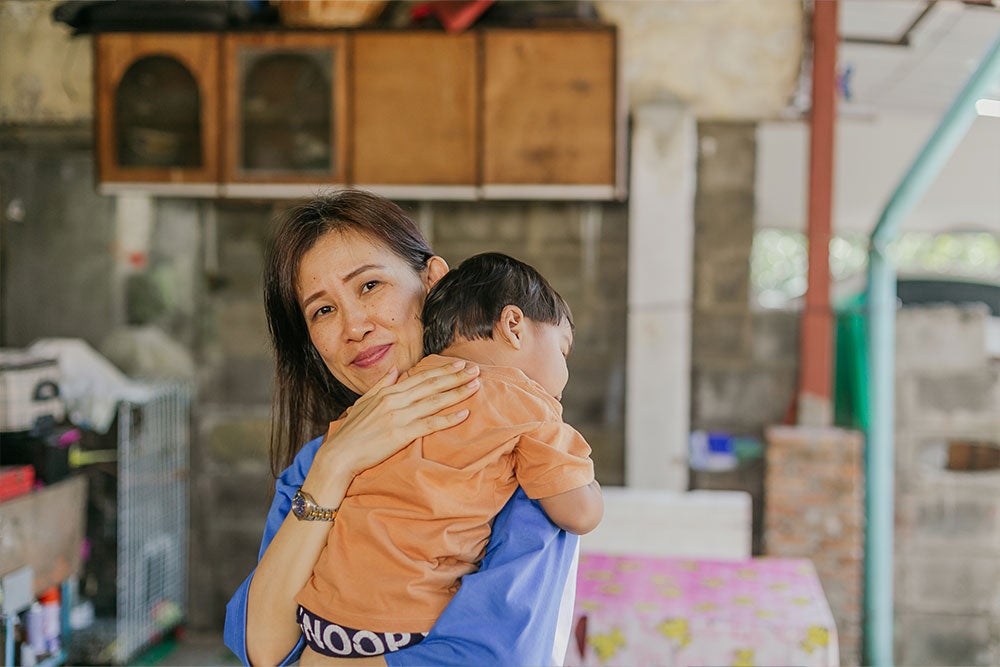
371, 356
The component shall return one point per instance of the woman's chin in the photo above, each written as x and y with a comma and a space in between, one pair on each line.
364, 378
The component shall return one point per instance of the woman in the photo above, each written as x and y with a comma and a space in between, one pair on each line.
345, 281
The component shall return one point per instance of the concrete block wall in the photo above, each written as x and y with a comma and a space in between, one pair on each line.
56, 237
947, 549
230, 470
63, 253
62, 250
580, 248
743, 362
814, 509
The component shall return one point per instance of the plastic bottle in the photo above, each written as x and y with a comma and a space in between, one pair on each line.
34, 624
21, 636
51, 621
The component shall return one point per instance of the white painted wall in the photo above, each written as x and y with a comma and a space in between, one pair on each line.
872, 156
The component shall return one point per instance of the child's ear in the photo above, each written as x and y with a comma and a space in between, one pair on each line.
436, 268
511, 326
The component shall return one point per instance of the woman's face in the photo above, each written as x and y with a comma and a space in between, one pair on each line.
362, 303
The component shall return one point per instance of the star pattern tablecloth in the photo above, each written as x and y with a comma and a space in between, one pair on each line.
669, 612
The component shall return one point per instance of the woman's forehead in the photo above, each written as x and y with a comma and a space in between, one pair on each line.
350, 243
343, 251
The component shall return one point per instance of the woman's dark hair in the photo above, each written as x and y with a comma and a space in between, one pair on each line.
467, 301
306, 395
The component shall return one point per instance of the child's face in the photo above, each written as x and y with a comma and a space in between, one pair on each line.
544, 355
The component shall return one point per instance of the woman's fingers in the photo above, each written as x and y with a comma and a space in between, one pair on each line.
440, 422
386, 380
388, 417
438, 401
447, 386
429, 381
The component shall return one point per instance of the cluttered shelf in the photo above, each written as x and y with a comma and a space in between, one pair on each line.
93, 507
40, 560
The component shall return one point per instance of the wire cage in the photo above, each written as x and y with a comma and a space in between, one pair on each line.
141, 528
153, 453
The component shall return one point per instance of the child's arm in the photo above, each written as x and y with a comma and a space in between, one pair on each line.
577, 511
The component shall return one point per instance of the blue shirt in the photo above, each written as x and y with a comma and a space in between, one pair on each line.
515, 610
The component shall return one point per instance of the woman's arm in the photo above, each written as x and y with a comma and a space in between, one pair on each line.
235, 632
385, 419
577, 511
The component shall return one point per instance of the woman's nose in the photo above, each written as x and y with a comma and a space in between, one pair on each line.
357, 323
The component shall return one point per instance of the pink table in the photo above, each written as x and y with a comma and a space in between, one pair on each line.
669, 612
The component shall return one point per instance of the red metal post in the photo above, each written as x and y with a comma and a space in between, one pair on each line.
816, 338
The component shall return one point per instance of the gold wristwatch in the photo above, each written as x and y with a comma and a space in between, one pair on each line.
305, 508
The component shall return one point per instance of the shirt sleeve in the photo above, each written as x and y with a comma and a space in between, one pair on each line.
235, 629
552, 458
508, 612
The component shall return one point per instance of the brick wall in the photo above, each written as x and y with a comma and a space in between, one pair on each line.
814, 508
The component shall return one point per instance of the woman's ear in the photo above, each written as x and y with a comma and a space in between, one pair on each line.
511, 326
436, 268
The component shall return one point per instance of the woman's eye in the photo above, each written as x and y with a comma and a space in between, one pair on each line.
368, 286
322, 310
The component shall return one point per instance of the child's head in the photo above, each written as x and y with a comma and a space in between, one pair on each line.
497, 301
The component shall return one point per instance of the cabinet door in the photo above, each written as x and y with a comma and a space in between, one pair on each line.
157, 108
550, 113
415, 111
285, 119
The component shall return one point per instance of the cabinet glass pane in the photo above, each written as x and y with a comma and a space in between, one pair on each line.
157, 115
286, 107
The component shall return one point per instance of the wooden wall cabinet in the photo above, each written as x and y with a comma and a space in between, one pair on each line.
157, 97
492, 113
415, 113
285, 97
550, 112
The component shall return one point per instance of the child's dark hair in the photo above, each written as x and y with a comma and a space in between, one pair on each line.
468, 300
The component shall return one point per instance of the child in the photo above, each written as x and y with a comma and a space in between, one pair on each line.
413, 525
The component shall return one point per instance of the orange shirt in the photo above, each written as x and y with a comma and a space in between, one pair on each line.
413, 525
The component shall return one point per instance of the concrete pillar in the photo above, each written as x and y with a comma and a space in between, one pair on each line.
660, 249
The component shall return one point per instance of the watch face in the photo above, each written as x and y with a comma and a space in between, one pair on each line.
299, 504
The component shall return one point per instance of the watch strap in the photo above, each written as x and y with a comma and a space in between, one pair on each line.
305, 508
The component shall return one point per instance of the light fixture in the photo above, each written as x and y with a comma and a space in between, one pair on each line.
988, 107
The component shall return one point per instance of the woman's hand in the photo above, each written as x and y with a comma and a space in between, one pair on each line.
385, 419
